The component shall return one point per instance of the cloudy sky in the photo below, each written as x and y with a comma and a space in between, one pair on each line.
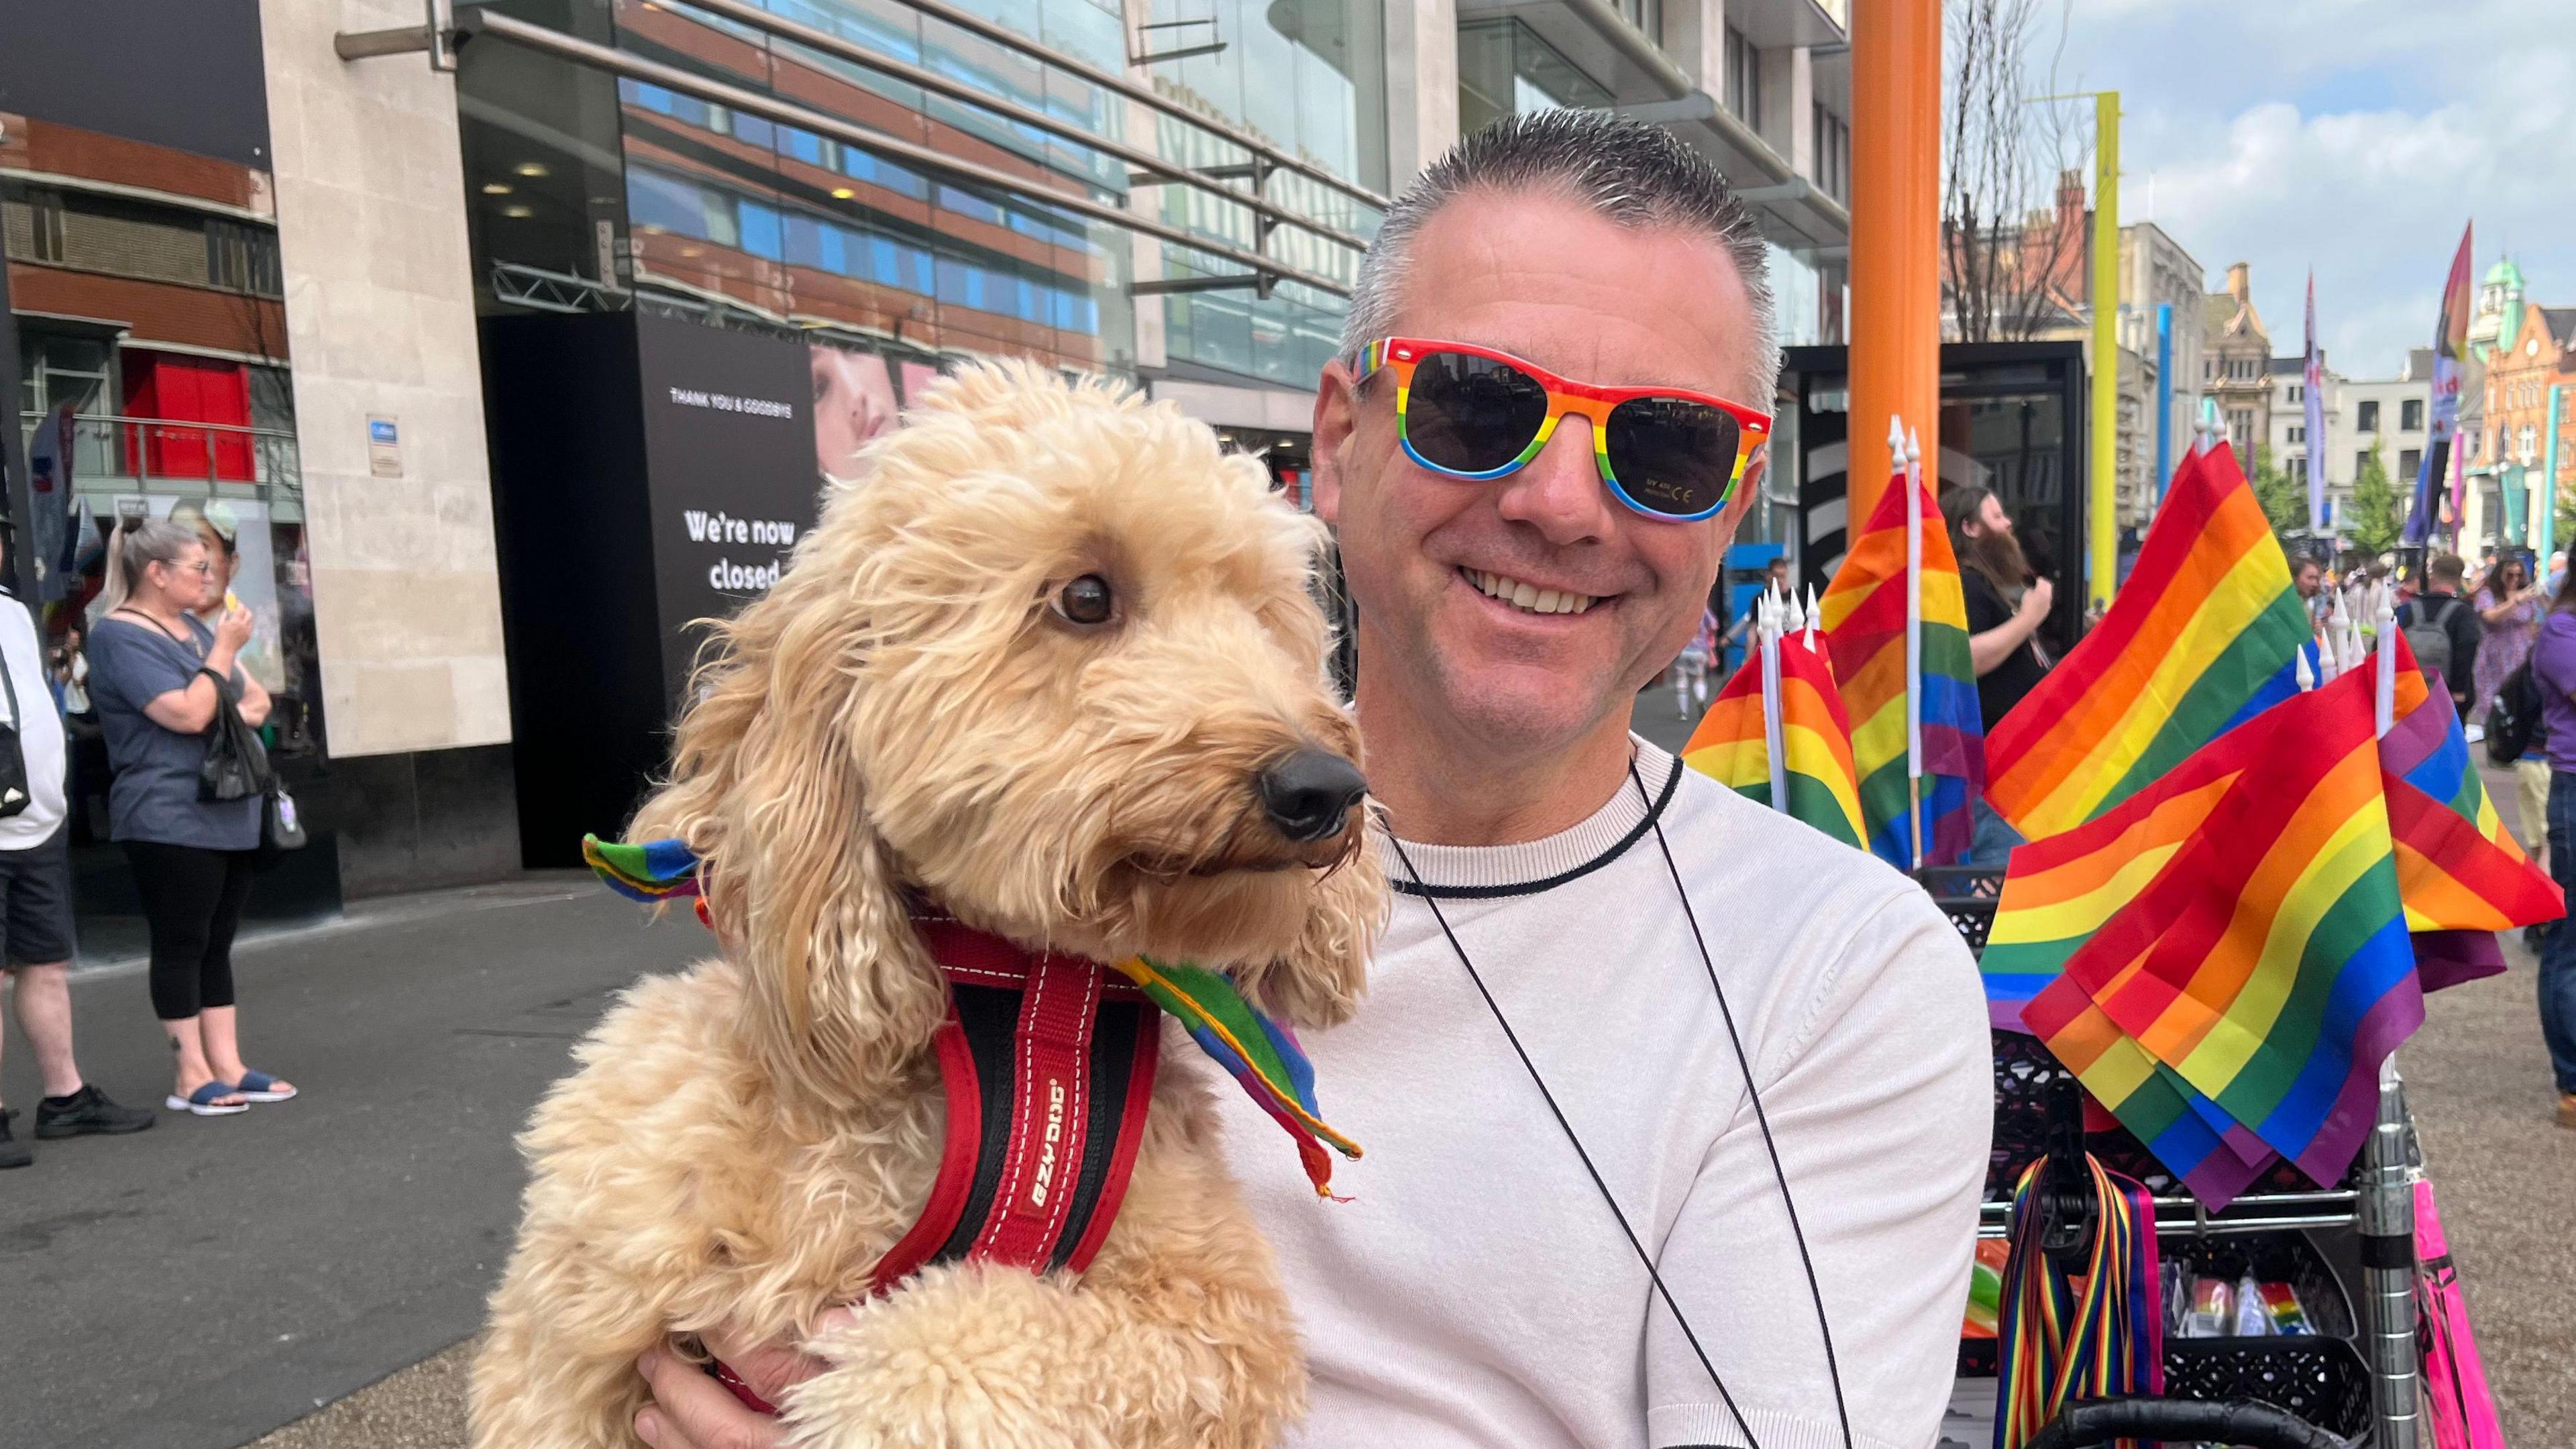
2354, 136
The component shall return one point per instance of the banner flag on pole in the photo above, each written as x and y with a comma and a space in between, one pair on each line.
2314, 385
2450, 345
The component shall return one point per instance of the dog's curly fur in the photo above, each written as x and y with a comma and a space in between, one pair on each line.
906, 715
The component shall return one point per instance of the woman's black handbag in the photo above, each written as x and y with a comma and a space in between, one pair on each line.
236, 762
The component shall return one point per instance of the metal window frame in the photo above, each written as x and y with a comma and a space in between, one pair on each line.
1212, 181
1262, 273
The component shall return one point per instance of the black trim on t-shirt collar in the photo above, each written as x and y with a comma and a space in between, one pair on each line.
1617, 848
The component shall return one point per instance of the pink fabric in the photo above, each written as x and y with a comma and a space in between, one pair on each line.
2461, 1411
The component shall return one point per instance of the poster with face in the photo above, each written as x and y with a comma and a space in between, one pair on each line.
853, 402
917, 378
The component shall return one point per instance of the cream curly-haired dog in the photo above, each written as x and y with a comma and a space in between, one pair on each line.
1032, 668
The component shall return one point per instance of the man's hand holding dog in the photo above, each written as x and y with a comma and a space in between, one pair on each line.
691, 1409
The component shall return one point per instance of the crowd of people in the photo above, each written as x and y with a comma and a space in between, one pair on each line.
149, 664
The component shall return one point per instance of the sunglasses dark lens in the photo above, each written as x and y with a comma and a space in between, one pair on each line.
1672, 455
1472, 414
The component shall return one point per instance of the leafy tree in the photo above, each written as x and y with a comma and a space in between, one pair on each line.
2284, 502
2378, 510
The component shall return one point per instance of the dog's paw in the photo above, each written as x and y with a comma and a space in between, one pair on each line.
968, 1357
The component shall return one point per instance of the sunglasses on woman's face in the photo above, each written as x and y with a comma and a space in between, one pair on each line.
1472, 412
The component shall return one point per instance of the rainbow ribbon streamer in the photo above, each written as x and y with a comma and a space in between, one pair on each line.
2059, 1343
653, 872
1261, 1055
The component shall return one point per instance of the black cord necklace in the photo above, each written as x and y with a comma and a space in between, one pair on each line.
1743, 1065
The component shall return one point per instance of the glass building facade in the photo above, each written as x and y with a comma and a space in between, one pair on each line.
591, 192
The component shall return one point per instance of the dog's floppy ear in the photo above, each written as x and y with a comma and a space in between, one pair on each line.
1319, 982
766, 789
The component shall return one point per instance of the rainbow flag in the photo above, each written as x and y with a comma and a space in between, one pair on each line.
2460, 874
2267, 966
1865, 628
1732, 743
2203, 636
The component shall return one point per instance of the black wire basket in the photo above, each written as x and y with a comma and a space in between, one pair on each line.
2319, 1376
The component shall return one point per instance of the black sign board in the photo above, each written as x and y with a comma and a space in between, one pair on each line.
729, 452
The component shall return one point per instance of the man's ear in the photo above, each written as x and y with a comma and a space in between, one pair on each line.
1334, 416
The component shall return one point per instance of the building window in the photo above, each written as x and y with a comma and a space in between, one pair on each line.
2530, 444
2368, 421
2299, 470
1743, 78
2410, 415
1504, 69
2410, 461
2360, 462
1833, 155
2298, 433
1646, 15
2240, 428
2297, 392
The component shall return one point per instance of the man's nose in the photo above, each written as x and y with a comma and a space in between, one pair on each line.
1560, 492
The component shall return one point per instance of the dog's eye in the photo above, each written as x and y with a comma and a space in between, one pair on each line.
1087, 600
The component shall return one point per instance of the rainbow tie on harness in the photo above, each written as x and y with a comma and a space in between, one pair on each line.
1261, 1055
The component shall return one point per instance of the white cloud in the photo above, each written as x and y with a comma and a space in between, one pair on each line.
2354, 136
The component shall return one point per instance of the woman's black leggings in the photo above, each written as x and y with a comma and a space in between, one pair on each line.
192, 897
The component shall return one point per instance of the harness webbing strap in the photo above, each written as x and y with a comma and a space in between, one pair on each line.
1047, 1065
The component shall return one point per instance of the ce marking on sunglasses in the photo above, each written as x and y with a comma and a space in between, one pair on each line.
1473, 412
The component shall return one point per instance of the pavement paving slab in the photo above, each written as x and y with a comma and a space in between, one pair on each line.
200, 1284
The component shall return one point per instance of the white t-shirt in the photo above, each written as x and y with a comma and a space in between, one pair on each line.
40, 729
1477, 1292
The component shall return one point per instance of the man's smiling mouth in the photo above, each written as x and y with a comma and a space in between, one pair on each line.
1529, 598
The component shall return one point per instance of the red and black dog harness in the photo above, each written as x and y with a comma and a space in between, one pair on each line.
1047, 1063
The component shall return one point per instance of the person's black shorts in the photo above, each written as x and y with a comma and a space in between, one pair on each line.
36, 902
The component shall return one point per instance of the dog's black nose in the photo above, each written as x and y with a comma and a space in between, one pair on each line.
1308, 794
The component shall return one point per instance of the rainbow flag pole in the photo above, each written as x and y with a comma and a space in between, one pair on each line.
1767, 629
2386, 709
1901, 442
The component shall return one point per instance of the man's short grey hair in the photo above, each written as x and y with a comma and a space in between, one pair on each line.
1634, 174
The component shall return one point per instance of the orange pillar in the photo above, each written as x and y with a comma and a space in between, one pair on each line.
1896, 236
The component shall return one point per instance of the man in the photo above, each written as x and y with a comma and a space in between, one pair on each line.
2007, 600
36, 905
2443, 629
1775, 580
2309, 577
1543, 1064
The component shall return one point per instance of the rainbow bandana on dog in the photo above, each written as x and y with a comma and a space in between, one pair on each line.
1262, 1056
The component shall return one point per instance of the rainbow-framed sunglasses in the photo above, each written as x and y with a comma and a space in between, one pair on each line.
1473, 412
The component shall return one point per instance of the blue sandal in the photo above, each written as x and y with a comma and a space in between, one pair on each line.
202, 1101
261, 1087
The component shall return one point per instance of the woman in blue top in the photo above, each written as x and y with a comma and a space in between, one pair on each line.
152, 672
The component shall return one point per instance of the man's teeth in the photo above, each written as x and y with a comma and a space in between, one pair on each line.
1528, 596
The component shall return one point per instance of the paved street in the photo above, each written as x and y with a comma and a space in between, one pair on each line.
202, 1283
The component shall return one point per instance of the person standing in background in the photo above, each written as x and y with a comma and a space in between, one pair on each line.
154, 667
2553, 670
2443, 630
2509, 612
36, 905
2007, 602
